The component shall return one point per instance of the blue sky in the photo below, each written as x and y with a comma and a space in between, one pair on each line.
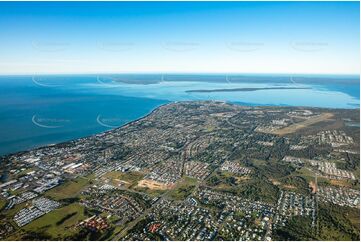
222, 37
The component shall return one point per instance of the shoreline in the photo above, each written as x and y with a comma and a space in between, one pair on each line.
4, 156
72, 140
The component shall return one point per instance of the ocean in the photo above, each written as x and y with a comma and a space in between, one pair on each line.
42, 110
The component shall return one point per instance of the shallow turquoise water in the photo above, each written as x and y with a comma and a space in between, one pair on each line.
37, 111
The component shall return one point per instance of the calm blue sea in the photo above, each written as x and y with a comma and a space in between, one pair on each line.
42, 110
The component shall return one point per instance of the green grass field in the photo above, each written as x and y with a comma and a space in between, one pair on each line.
309, 175
60, 222
183, 189
131, 177
68, 190
225, 181
150, 192
2, 203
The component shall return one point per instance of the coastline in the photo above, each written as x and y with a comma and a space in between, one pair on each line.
72, 140
2, 157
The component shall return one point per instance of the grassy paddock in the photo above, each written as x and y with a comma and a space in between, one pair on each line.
183, 188
132, 177
60, 222
69, 189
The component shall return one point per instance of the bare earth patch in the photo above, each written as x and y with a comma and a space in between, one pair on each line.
289, 186
275, 182
340, 183
313, 186
240, 179
154, 185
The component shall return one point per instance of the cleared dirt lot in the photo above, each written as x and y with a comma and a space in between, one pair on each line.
153, 185
313, 186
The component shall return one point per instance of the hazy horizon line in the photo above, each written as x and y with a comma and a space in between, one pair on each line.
179, 73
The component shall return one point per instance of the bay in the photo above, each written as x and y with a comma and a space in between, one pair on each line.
42, 110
